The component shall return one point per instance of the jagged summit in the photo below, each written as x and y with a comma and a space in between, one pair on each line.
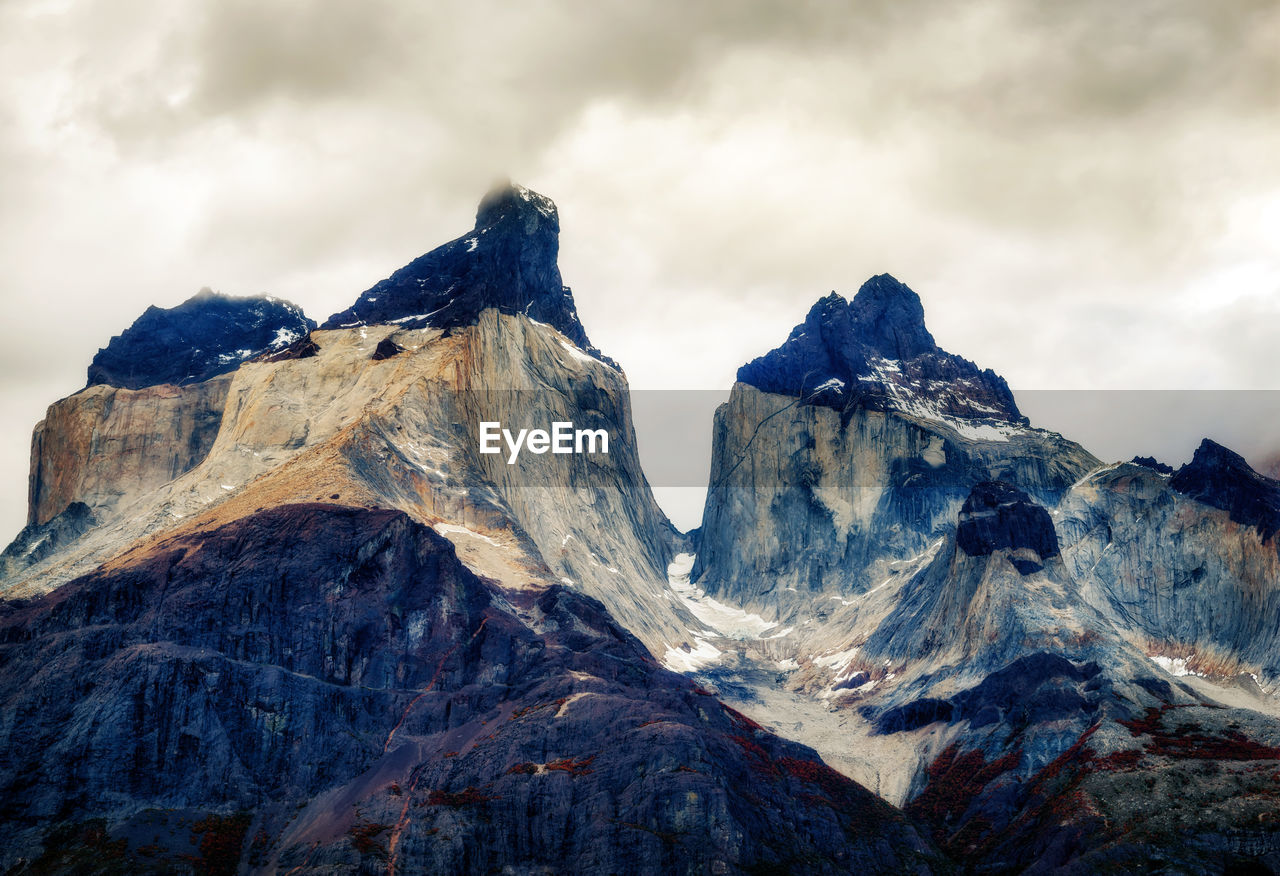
1222, 478
888, 316
876, 352
508, 262
207, 335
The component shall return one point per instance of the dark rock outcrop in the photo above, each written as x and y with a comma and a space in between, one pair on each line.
998, 516
303, 348
386, 349
508, 262
1152, 463
325, 689
1034, 689
206, 335
1219, 477
875, 352
37, 541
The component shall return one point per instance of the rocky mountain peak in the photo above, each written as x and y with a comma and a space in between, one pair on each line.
888, 317
1221, 478
206, 335
999, 516
507, 261
510, 202
876, 352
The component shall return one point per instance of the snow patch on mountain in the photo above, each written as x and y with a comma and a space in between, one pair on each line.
923, 400
727, 621
446, 528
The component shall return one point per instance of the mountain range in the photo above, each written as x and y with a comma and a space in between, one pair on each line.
274, 610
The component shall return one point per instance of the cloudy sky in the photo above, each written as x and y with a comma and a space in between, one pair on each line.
1084, 194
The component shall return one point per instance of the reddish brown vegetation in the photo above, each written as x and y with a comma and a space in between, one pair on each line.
219, 839
955, 779
572, 767
568, 765
757, 758
364, 838
742, 720
469, 796
832, 783
1189, 742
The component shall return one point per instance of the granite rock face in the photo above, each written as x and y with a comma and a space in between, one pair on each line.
984, 623
315, 688
207, 335
106, 446
341, 412
1185, 579
507, 262
853, 446
808, 500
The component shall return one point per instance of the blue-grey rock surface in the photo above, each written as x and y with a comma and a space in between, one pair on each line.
206, 335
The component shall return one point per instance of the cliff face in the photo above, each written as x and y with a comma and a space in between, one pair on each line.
106, 446
851, 447
318, 688
806, 499
386, 415
402, 432
1185, 580
978, 619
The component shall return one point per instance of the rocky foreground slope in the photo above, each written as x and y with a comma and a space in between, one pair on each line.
317, 689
